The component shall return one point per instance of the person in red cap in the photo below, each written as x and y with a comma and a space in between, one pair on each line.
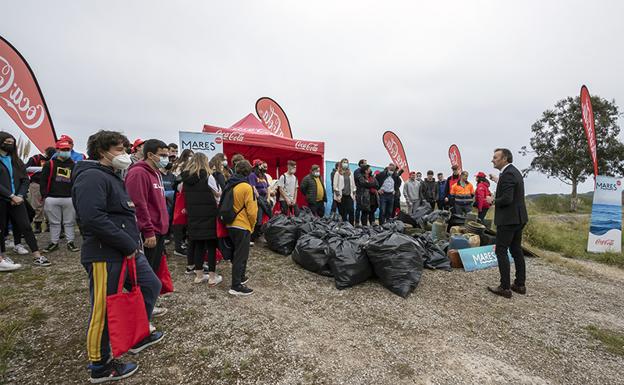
483, 191
75, 156
137, 150
55, 188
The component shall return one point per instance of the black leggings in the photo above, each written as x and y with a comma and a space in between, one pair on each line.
196, 251
21, 224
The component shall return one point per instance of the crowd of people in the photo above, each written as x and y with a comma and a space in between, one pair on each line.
130, 200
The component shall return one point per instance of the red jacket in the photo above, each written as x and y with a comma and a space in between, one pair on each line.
483, 191
145, 187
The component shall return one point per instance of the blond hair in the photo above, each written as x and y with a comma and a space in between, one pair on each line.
197, 163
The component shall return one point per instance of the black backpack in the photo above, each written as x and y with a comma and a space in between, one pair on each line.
227, 215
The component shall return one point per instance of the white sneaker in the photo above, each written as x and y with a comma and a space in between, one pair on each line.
159, 311
20, 249
152, 328
7, 265
201, 279
9, 244
218, 279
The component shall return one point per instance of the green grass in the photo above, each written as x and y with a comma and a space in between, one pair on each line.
9, 338
611, 340
557, 204
567, 236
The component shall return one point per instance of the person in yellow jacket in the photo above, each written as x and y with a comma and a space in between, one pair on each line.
240, 229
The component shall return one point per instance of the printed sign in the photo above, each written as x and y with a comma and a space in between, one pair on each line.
455, 157
209, 144
605, 230
273, 117
479, 258
22, 99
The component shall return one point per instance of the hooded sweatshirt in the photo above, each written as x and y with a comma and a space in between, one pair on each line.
145, 187
105, 213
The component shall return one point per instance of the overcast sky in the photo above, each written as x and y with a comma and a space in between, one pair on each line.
475, 73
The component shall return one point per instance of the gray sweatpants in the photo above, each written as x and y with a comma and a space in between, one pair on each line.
60, 210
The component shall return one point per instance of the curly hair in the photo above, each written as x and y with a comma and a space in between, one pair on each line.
103, 140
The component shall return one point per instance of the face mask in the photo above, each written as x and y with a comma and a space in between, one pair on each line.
164, 162
224, 163
7, 147
390, 172
64, 154
316, 173
345, 166
121, 161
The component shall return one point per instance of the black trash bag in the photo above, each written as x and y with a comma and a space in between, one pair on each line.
311, 253
394, 225
396, 260
376, 229
456, 220
348, 262
306, 214
405, 218
344, 229
434, 257
281, 233
437, 214
264, 205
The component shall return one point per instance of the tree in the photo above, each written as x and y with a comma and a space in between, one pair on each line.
560, 146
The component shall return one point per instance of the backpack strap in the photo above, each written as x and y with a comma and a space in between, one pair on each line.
50, 176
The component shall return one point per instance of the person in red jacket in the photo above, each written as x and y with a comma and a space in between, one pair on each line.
483, 191
144, 185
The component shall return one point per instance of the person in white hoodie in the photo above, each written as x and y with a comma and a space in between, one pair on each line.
413, 191
344, 191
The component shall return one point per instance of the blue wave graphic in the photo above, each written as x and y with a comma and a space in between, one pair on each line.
605, 218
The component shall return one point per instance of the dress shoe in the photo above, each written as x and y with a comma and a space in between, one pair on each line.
519, 289
500, 291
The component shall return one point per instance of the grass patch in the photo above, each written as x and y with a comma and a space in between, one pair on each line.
9, 337
611, 340
558, 204
38, 316
568, 237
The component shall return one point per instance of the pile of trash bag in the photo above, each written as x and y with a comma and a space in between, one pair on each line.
397, 261
312, 254
348, 261
281, 233
434, 256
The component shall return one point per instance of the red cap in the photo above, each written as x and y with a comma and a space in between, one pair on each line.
63, 143
66, 138
412, 172
481, 174
136, 144
376, 172
257, 162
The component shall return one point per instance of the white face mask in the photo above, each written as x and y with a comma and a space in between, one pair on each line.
121, 161
316, 173
345, 166
224, 163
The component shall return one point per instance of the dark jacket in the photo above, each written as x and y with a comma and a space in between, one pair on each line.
105, 213
57, 183
396, 177
220, 178
21, 183
363, 194
308, 188
450, 181
201, 206
36, 161
510, 208
430, 192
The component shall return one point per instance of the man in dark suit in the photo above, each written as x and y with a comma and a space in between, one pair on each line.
510, 216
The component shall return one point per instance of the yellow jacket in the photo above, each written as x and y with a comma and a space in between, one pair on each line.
244, 200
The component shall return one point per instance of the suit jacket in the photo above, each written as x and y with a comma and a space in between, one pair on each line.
510, 208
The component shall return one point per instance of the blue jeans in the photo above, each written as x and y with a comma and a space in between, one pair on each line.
386, 205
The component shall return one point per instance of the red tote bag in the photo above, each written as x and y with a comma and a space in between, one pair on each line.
222, 231
126, 314
179, 210
165, 276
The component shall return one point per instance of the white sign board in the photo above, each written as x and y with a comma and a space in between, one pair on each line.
605, 230
209, 144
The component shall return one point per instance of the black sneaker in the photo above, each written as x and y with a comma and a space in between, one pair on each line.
190, 270
113, 371
72, 247
241, 291
152, 339
180, 252
244, 280
51, 247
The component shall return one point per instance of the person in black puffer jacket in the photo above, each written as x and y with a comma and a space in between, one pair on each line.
199, 189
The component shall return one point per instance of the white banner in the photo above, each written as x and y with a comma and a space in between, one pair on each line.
209, 144
605, 231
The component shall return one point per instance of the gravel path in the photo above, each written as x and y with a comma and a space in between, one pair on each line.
298, 329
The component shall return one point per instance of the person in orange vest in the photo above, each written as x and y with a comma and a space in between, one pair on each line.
463, 193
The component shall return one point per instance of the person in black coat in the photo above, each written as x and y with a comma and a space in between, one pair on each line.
510, 216
366, 195
199, 189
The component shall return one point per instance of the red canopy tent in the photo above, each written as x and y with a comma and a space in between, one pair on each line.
251, 139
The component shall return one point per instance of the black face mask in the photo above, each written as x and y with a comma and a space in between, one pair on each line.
7, 147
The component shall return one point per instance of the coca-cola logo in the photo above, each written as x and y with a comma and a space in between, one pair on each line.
272, 121
306, 146
604, 242
232, 136
31, 116
393, 150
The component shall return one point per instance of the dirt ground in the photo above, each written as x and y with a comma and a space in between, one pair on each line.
298, 329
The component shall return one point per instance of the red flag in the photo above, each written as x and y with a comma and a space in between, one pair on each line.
21, 97
397, 153
455, 157
588, 122
273, 117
